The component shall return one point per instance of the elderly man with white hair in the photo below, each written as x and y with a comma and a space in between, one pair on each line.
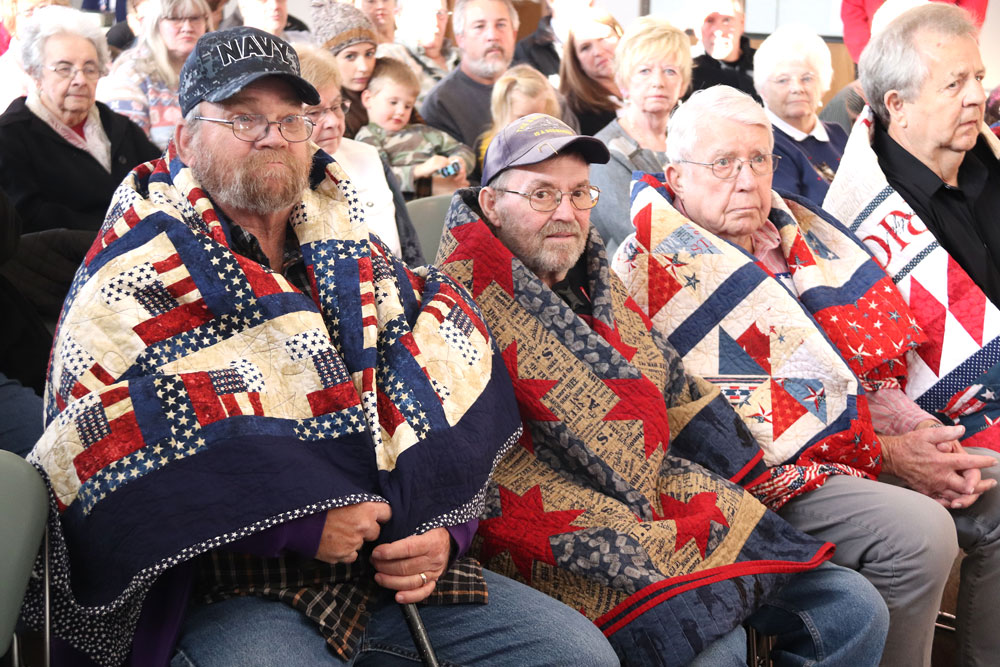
777, 303
792, 72
920, 186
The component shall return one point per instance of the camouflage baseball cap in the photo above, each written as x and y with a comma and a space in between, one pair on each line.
535, 138
225, 62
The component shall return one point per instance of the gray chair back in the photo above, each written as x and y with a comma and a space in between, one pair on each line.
427, 214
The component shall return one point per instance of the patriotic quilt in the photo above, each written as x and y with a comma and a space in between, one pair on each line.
603, 505
956, 372
787, 356
195, 397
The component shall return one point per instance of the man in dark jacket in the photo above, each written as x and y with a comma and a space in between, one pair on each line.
728, 57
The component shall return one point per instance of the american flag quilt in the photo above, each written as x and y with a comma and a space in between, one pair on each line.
600, 505
787, 355
196, 397
956, 372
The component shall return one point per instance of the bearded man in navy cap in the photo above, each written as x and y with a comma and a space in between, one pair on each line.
263, 430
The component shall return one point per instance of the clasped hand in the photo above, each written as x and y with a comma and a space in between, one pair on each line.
398, 564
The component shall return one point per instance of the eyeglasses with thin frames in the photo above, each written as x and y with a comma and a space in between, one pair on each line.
545, 200
727, 168
253, 127
91, 72
178, 21
341, 109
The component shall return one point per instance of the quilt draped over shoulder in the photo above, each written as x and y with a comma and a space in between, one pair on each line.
795, 360
196, 397
956, 372
602, 504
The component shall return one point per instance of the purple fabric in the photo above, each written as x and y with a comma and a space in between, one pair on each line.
462, 535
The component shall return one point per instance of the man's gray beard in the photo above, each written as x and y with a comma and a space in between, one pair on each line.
488, 68
239, 186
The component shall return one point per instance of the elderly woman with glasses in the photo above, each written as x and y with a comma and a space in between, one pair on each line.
378, 189
652, 70
792, 72
143, 81
62, 154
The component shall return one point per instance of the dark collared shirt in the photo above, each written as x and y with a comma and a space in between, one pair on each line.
964, 220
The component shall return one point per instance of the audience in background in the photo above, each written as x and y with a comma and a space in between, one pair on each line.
382, 14
587, 70
541, 49
991, 116
728, 57
460, 103
792, 72
425, 160
858, 17
421, 32
653, 70
122, 35
143, 82
522, 90
14, 81
270, 16
62, 154
348, 34
378, 190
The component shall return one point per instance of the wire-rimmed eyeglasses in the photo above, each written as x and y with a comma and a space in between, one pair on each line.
729, 167
339, 109
254, 126
548, 199
91, 72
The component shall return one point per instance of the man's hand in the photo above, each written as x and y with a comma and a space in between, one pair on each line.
932, 462
347, 528
400, 563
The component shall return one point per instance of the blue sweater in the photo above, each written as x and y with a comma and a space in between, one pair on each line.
802, 164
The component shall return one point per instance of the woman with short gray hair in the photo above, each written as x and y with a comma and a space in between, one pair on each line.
792, 72
143, 83
62, 154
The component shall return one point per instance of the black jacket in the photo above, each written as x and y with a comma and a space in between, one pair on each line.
54, 184
538, 49
61, 194
709, 72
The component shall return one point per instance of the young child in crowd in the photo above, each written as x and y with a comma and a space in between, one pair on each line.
522, 90
425, 160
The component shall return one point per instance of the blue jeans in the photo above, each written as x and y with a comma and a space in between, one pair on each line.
519, 626
20, 417
827, 616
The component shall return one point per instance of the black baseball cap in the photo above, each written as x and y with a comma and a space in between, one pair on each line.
225, 62
535, 138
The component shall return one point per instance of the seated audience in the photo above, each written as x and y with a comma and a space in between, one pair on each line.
61, 153
598, 506
378, 190
587, 71
792, 72
859, 20
521, 91
382, 14
783, 308
15, 82
991, 115
24, 350
919, 184
728, 56
122, 35
541, 49
325, 475
270, 16
422, 30
459, 104
653, 69
348, 34
425, 161
143, 81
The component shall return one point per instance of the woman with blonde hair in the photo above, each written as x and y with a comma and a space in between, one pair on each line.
520, 91
587, 74
143, 82
653, 71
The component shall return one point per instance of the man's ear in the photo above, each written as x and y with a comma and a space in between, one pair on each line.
488, 203
674, 177
895, 105
183, 136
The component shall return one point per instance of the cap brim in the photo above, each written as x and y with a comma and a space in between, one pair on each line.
306, 92
592, 150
